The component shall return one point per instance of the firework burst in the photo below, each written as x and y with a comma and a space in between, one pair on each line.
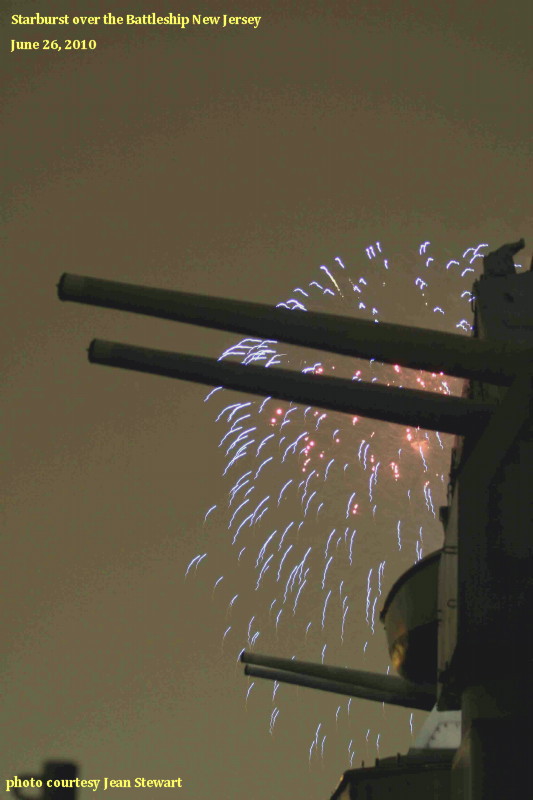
323, 510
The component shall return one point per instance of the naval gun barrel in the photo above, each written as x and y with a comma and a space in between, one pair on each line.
414, 407
417, 348
341, 680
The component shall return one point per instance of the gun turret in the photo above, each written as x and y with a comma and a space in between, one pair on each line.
460, 617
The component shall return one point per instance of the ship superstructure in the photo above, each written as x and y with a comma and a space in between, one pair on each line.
458, 623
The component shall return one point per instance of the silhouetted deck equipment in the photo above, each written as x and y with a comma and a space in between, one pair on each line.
58, 781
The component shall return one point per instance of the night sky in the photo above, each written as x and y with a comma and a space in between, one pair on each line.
231, 162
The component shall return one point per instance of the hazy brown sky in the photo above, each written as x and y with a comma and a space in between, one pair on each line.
229, 162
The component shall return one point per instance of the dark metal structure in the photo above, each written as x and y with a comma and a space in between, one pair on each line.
58, 781
496, 361
459, 622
